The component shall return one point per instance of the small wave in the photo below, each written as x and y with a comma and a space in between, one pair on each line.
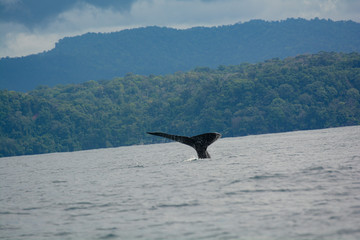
348, 231
345, 167
62, 234
277, 190
106, 229
79, 206
231, 193
74, 208
356, 212
317, 168
13, 213
109, 236
235, 181
136, 166
191, 159
259, 191
59, 181
5, 227
260, 177
5, 213
83, 203
31, 208
178, 205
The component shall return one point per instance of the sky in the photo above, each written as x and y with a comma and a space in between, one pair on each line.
33, 26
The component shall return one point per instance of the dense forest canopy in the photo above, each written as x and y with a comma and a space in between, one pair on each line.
303, 92
160, 50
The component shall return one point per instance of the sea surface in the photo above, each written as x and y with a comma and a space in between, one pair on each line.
296, 185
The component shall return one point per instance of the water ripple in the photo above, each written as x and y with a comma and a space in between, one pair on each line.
300, 185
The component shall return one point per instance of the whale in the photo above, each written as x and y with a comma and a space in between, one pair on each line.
198, 142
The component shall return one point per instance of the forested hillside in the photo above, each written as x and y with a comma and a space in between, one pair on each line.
155, 50
303, 92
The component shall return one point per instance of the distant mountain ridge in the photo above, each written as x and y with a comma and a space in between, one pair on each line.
160, 50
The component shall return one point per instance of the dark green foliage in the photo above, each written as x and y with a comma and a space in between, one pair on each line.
304, 92
155, 50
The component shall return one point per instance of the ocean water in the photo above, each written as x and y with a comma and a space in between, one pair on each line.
297, 185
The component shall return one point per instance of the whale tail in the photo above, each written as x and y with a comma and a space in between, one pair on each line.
198, 142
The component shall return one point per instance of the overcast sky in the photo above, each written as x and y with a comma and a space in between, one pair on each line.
32, 26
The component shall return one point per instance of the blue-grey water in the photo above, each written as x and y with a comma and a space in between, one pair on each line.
297, 185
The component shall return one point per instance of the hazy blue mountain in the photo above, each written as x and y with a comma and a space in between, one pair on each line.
159, 50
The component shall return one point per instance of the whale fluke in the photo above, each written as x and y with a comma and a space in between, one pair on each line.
198, 142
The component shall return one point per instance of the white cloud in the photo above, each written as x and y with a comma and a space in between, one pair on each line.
28, 43
18, 40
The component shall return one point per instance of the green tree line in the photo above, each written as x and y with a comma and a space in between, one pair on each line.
304, 92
